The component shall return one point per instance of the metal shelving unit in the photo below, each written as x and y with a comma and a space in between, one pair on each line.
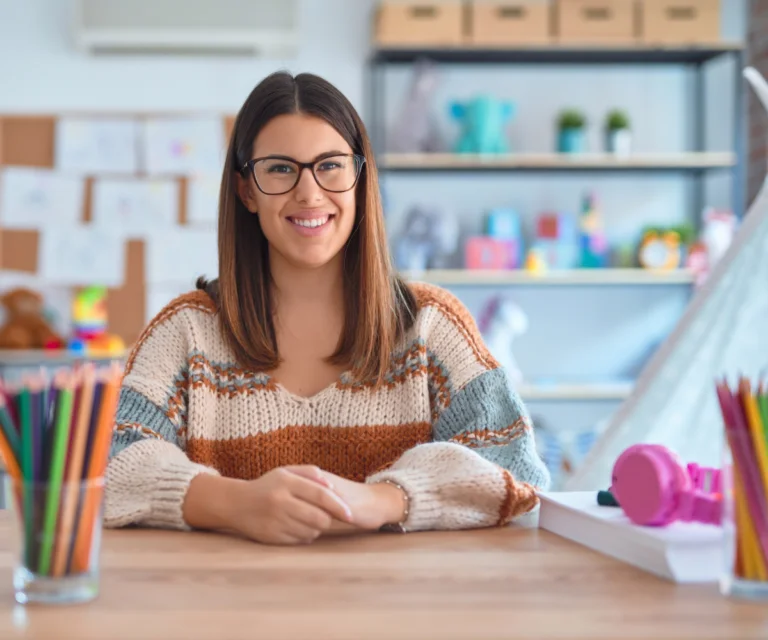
696, 163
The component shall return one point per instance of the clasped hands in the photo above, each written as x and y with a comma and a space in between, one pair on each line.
291, 505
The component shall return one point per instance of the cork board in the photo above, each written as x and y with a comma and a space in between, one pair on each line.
29, 141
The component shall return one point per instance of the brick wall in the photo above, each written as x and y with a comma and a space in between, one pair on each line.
757, 136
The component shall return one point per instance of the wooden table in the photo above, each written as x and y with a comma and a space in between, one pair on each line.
472, 585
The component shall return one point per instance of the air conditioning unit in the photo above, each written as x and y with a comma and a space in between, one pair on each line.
236, 27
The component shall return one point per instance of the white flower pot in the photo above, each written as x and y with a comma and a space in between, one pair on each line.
619, 142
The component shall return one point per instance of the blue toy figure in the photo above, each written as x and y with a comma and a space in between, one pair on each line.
483, 120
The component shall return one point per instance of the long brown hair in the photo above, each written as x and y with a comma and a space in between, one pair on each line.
379, 307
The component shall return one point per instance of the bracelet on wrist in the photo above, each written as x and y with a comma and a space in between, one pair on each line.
398, 527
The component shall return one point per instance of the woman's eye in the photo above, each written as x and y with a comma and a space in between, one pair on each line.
280, 168
329, 166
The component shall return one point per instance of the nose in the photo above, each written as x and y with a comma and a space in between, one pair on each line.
307, 189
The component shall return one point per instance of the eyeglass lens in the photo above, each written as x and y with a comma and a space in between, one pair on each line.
336, 173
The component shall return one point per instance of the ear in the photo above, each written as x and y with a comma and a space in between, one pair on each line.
247, 192
458, 110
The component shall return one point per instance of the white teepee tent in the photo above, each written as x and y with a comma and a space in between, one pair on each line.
724, 332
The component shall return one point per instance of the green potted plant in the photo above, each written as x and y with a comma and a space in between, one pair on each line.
618, 134
570, 136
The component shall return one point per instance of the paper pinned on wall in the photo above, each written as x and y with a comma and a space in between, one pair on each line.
203, 200
135, 207
96, 145
32, 198
81, 255
184, 146
180, 256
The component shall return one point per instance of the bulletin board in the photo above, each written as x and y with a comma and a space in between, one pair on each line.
28, 141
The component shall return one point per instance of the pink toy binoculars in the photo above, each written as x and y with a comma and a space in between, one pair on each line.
654, 488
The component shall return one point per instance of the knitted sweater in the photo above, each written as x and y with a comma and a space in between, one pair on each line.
446, 426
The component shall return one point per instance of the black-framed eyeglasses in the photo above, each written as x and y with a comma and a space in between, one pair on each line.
276, 175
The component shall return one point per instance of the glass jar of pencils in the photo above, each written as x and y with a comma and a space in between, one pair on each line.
744, 481
58, 540
54, 442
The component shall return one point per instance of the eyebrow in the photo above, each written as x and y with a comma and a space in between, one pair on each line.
325, 154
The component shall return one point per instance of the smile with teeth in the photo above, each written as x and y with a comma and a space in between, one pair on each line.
310, 223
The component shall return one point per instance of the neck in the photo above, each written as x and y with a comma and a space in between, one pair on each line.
307, 286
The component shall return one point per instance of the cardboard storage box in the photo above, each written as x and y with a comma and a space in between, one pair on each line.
680, 21
596, 21
435, 23
511, 22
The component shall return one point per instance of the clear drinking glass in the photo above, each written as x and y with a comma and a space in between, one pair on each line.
58, 540
742, 505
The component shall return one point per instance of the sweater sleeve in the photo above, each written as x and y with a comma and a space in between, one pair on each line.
149, 472
481, 468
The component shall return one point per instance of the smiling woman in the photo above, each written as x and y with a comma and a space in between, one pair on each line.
308, 389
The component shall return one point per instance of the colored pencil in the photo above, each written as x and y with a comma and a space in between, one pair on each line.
746, 433
74, 471
27, 465
96, 467
9, 432
58, 456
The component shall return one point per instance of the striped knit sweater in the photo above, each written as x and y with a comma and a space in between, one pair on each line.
445, 425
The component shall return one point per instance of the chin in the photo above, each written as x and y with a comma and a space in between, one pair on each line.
318, 261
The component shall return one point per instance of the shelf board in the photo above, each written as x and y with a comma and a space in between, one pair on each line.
478, 277
691, 161
561, 54
583, 391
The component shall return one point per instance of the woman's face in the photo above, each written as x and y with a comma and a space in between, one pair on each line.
308, 226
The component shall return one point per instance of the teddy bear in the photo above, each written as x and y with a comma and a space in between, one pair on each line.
25, 325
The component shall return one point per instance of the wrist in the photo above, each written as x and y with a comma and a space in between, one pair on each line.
394, 503
211, 502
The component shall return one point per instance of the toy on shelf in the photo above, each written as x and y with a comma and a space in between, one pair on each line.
25, 324
483, 120
593, 243
719, 228
660, 249
664, 247
570, 132
563, 450
429, 239
415, 129
557, 240
484, 252
504, 225
501, 322
89, 323
536, 261
717, 234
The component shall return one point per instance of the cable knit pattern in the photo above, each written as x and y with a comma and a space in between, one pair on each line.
445, 424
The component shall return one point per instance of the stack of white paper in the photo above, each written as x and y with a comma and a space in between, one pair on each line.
682, 552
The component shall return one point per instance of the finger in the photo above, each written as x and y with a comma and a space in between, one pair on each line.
309, 515
323, 498
310, 472
297, 530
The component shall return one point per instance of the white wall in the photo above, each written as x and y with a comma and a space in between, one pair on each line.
41, 72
